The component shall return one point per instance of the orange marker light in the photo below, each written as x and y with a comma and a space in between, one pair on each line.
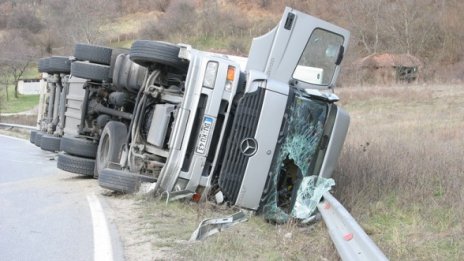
230, 73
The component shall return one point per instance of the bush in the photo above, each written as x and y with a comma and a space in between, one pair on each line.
24, 18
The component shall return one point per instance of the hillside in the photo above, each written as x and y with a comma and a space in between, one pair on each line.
429, 30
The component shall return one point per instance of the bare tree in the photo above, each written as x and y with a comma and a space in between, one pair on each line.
24, 17
68, 22
15, 57
365, 20
178, 22
451, 21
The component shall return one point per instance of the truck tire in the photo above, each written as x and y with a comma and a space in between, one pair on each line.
118, 73
43, 64
93, 53
77, 165
146, 53
38, 138
90, 71
121, 181
114, 55
127, 74
50, 143
111, 142
58, 64
80, 147
32, 137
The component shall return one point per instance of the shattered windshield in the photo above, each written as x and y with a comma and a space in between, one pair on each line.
290, 187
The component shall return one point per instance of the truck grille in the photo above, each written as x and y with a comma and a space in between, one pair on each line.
244, 126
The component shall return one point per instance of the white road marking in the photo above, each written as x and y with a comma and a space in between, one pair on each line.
103, 249
13, 138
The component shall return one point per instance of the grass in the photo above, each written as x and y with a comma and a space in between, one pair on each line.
18, 133
30, 120
10, 104
173, 224
401, 170
20, 104
31, 72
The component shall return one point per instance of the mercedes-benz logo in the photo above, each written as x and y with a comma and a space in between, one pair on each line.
248, 147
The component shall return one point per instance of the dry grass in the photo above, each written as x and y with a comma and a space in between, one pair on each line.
22, 134
174, 223
401, 171
30, 120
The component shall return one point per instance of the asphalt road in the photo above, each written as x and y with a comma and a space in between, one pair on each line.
49, 214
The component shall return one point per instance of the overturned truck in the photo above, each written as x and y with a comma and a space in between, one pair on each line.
254, 132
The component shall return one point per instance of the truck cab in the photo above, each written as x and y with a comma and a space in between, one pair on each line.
297, 131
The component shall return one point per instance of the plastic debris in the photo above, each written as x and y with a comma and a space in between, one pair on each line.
212, 226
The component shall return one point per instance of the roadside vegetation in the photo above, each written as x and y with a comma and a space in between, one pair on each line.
20, 104
9, 103
165, 230
401, 172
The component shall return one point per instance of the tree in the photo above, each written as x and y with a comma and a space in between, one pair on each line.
365, 19
413, 26
70, 22
15, 57
86, 18
24, 17
178, 22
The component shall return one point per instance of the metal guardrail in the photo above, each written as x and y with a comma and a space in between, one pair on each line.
19, 126
349, 238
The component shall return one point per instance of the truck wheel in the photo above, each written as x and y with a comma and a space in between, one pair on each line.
43, 64
58, 64
146, 53
38, 138
93, 53
79, 147
121, 181
114, 55
75, 164
135, 75
118, 73
128, 74
32, 137
91, 71
109, 148
50, 143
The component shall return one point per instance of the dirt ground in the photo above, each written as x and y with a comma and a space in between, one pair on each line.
128, 214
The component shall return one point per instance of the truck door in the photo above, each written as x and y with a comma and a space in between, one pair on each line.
301, 49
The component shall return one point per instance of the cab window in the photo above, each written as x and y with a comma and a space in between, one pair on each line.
319, 60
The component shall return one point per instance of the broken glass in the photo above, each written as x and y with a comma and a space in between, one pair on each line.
292, 190
309, 194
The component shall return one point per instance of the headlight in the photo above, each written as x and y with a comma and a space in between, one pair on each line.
210, 74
